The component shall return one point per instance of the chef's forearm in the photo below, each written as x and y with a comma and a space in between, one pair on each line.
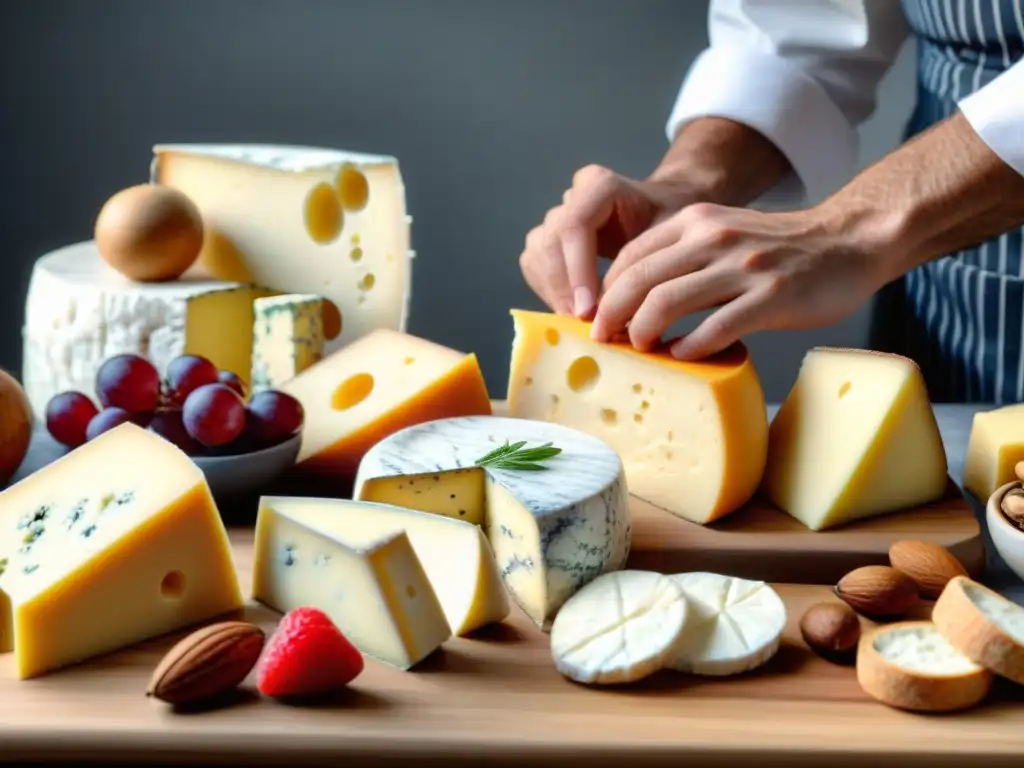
941, 192
721, 161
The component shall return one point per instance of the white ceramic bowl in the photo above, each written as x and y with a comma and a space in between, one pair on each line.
248, 472
1007, 538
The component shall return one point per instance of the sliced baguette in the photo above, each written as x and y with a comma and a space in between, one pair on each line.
983, 625
909, 665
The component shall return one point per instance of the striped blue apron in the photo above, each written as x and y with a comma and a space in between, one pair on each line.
961, 317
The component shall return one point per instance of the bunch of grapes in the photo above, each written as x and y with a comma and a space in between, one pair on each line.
198, 408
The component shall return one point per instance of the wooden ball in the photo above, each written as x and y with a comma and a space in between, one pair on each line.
149, 233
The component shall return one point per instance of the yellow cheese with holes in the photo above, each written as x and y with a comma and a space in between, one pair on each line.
376, 386
301, 220
855, 437
114, 543
367, 579
455, 555
995, 446
692, 436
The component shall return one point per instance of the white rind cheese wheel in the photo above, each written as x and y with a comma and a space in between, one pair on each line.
909, 665
620, 628
552, 531
735, 625
983, 625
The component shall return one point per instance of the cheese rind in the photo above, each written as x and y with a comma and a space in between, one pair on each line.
80, 311
840, 442
371, 585
552, 531
735, 625
374, 387
692, 436
455, 555
995, 446
982, 625
114, 543
619, 628
303, 220
909, 665
287, 338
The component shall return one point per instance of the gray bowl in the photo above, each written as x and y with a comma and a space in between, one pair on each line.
248, 472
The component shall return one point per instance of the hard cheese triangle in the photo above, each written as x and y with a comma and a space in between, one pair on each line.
455, 555
369, 582
855, 437
114, 543
552, 531
374, 387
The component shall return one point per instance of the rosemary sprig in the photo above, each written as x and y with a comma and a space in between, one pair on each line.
516, 456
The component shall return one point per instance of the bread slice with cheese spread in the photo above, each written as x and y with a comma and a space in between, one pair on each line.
909, 665
982, 625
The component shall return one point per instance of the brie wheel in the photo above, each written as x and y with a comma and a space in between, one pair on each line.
621, 627
735, 625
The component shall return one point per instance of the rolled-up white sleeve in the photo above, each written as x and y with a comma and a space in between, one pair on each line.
804, 75
996, 112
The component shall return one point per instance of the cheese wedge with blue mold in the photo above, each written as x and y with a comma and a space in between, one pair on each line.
288, 337
553, 530
114, 543
367, 580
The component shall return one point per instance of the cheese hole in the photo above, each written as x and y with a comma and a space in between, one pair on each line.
669, 436
353, 188
324, 217
554, 399
638, 388
552, 336
409, 360
355, 239
529, 380
331, 318
583, 373
356, 254
844, 389
173, 585
367, 282
352, 391
644, 405
609, 416
410, 590
638, 418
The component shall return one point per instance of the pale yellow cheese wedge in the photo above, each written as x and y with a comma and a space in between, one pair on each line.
995, 446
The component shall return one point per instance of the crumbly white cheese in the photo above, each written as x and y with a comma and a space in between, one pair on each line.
923, 650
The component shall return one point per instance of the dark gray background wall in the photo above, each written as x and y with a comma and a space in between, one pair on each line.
490, 105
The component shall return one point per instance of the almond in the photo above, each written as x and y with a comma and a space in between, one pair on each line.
1013, 506
830, 628
878, 590
929, 565
210, 661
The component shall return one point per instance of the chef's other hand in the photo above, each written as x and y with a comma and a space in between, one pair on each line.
761, 271
599, 214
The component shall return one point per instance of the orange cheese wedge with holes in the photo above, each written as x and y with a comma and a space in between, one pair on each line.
375, 386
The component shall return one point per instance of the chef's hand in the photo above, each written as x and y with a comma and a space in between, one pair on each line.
761, 270
599, 214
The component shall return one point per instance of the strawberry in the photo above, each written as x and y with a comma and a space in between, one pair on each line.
307, 655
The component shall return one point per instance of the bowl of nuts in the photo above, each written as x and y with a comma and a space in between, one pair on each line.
1004, 515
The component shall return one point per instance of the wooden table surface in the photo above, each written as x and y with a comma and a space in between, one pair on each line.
497, 698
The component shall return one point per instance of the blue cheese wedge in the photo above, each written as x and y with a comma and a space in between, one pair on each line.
553, 530
287, 338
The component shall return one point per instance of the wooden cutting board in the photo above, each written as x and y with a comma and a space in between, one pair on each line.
762, 542
496, 699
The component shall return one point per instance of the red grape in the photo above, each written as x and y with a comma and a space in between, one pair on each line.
232, 380
186, 374
129, 382
273, 416
168, 423
214, 415
67, 417
105, 420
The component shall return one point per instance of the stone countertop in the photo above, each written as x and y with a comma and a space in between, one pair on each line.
954, 423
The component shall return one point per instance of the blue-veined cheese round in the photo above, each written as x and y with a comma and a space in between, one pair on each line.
552, 530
